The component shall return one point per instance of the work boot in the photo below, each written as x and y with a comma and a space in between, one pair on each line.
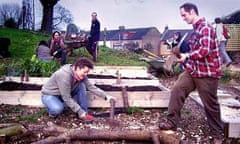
52, 116
167, 125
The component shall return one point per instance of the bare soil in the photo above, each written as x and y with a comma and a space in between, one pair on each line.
192, 128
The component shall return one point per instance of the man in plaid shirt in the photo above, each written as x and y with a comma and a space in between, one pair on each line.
202, 72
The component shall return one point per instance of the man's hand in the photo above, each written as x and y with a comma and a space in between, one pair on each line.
108, 98
183, 57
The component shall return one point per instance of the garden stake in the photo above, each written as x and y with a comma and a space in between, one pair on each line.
26, 77
112, 110
22, 77
118, 81
2, 138
125, 98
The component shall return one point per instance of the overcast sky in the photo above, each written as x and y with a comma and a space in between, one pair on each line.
141, 13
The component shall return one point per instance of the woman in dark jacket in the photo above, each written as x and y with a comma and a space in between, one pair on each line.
184, 48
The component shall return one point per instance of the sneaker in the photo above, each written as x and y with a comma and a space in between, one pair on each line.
87, 118
167, 125
52, 116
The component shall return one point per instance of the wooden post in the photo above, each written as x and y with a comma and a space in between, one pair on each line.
26, 77
125, 97
2, 138
112, 110
118, 81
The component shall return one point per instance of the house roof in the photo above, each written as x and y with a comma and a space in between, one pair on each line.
126, 34
167, 34
233, 18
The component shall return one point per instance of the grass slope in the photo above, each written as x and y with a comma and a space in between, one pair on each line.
24, 43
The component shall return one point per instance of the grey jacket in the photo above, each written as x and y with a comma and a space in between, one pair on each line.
62, 82
43, 53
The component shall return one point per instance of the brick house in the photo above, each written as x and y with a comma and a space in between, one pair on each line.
148, 38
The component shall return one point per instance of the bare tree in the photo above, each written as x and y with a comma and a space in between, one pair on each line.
61, 17
8, 11
47, 20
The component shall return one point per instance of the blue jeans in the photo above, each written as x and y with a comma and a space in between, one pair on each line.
61, 53
55, 105
224, 56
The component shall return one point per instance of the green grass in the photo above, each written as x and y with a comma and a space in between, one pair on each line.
24, 43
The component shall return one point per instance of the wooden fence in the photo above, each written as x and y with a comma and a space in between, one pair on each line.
234, 41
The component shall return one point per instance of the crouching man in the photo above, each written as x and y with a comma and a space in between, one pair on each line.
68, 85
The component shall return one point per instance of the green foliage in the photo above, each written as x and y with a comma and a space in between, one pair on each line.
23, 47
226, 76
132, 110
30, 118
10, 23
113, 57
23, 43
185, 112
39, 68
165, 113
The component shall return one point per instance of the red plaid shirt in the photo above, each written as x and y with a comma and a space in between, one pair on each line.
204, 60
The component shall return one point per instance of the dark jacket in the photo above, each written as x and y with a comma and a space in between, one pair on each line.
95, 31
184, 48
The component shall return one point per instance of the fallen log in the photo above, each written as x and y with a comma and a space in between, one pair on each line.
66, 135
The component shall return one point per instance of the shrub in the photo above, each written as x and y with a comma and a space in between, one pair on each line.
10, 23
39, 68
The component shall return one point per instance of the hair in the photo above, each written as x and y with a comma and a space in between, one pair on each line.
56, 32
179, 36
82, 62
189, 6
94, 13
43, 42
218, 20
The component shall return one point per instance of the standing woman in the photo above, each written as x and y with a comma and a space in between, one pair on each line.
57, 47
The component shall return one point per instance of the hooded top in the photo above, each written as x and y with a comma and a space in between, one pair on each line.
62, 83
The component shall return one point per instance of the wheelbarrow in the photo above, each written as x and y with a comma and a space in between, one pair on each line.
158, 64
75, 41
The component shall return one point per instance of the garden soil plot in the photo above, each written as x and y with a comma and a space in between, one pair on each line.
193, 127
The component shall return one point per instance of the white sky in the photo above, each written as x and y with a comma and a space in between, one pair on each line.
141, 13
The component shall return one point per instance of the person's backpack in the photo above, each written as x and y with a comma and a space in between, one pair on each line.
226, 33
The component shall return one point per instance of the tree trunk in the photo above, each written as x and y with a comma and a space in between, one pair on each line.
66, 135
47, 19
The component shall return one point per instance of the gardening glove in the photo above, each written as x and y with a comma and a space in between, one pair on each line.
86, 117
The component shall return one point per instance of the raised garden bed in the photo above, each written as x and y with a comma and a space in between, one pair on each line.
143, 90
